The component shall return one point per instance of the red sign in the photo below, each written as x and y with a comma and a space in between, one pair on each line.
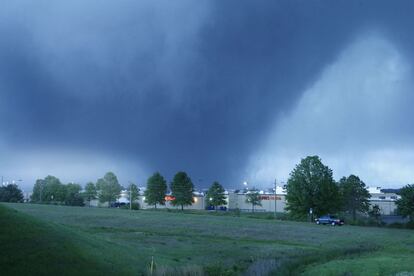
169, 198
269, 197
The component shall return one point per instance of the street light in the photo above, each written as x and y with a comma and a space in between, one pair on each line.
275, 198
130, 195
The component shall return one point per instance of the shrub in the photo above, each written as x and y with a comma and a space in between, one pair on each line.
410, 224
134, 206
396, 225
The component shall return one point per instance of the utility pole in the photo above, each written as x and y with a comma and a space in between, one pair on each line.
275, 199
130, 195
41, 189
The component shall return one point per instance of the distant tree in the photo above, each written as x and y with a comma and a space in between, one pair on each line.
49, 189
311, 185
73, 195
156, 190
375, 213
54, 189
133, 192
215, 195
253, 198
405, 205
90, 192
11, 193
37, 193
182, 189
354, 195
109, 188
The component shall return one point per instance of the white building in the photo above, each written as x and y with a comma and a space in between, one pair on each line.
270, 201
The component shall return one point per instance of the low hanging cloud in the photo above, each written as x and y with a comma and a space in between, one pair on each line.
351, 117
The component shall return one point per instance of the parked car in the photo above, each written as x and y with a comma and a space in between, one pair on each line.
117, 204
328, 219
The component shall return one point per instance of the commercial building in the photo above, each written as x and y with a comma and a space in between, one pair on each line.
384, 200
270, 201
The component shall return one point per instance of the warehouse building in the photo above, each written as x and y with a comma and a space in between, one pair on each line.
384, 200
270, 201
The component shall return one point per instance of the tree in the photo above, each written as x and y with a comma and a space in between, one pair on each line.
73, 195
49, 189
182, 189
405, 205
37, 195
215, 195
109, 188
253, 197
156, 190
311, 185
90, 192
354, 195
375, 213
133, 192
11, 193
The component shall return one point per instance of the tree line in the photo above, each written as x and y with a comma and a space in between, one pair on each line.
310, 187
108, 189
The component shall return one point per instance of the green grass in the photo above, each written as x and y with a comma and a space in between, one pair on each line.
32, 247
123, 242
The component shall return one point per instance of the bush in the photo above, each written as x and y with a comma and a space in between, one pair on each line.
396, 225
410, 224
135, 206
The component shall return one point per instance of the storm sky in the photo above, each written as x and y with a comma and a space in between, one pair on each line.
225, 90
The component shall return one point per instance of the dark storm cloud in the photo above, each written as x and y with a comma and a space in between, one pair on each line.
189, 85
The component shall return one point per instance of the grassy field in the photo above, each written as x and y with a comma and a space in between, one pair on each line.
44, 239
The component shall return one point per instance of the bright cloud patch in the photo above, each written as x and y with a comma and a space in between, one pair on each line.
350, 117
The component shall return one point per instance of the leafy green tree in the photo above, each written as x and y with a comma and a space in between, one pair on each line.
49, 189
133, 192
215, 195
182, 189
311, 185
375, 213
109, 188
90, 192
11, 193
38, 191
354, 195
156, 190
55, 190
253, 198
73, 195
405, 205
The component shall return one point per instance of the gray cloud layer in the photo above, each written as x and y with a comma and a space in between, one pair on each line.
190, 85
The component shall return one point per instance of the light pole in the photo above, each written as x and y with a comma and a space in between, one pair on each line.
130, 195
42, 183
275, 199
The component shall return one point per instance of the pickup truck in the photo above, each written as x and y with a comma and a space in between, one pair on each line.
332, 220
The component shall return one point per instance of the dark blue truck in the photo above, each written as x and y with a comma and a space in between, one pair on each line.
328, 219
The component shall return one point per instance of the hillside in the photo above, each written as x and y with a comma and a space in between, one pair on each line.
126, 241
